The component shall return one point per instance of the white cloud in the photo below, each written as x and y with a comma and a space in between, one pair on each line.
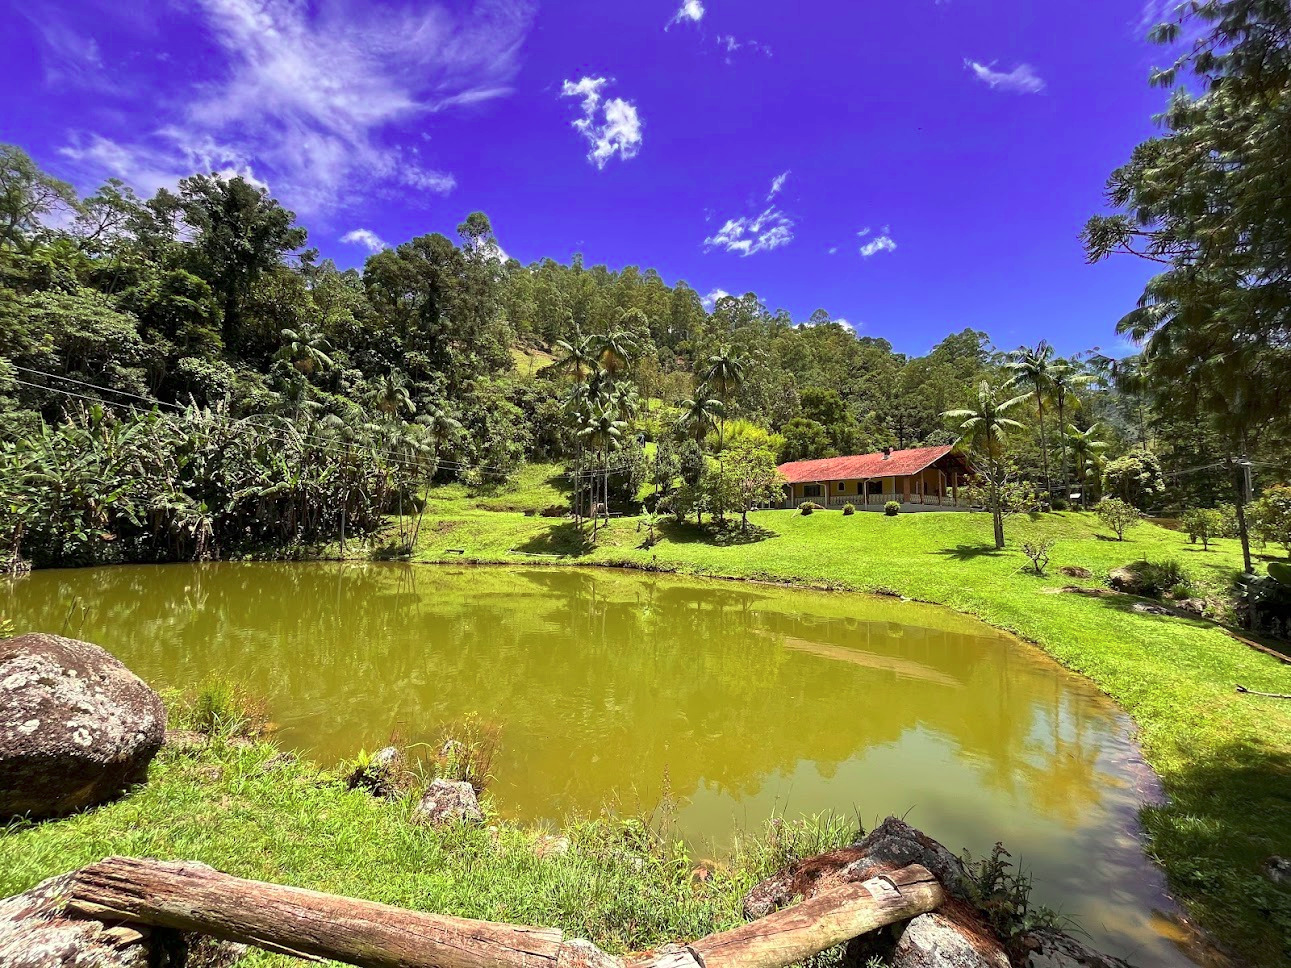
833, 250
690, 11
366, 238
1021, 80
880, 243
731, 44
746, 236
612, 127
169, 156
317, 94
711, 299
777, 184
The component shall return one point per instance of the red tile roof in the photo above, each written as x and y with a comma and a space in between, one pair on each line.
899, 464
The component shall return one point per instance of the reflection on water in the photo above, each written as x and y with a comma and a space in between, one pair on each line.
743, 700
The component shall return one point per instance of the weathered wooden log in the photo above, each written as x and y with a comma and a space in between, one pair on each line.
308, 924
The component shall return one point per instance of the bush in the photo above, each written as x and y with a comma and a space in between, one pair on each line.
1038, 552
1202, 524
218, 708
849, 508
1118, 515
806, 507
1152, 579
892, 509
1059, 504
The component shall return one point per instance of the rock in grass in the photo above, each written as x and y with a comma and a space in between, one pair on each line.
935, 941
1278, 870
35, 933
1075, 571
76, 726
448, 801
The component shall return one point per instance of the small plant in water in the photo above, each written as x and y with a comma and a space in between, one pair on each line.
219, 708
465, 751
1002, 892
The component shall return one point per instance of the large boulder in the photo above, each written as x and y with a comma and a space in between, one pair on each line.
76, 726
36, 933
448, 801
936, 941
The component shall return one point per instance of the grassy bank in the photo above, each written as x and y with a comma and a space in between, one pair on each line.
1224, 758
251, 811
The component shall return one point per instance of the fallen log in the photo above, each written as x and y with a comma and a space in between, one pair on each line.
309, 924
1266, 695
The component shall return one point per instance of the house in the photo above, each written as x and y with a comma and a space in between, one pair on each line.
922, 478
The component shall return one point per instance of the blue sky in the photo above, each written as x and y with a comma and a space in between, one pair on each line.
912, 167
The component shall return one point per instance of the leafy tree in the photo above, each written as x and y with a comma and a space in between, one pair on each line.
754, 479
1271, 516
805, 439
27, 195
1203, 524
241, 233
1084, 448
1135, 478
1118, 515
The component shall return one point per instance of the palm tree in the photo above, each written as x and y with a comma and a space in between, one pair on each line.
614, 351
724, 373
390, 395
305, 349
1127, 376
441, 427
1065, 381
1084, 446
580, 357
984, 428
1034, 367
699, 416
603, 431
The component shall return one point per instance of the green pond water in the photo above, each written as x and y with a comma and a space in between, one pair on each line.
616, 688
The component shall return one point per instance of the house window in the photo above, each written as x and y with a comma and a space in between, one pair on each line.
811, 490
874, 487
841, 487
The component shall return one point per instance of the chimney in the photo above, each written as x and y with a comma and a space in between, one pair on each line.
887, 452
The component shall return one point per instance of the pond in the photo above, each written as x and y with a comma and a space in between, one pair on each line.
736, 701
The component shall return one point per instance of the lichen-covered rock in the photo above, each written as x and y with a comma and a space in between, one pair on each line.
935, 941
1051, 948
35, 933
448, 801
1278, 870
76, 726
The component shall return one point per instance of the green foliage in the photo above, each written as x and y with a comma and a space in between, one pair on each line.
1134, 479
1118, 516
892, 508
1270, 516
807, 507
1203, 524
1038, 551
1156, 578
849, 508
218, 708
1003, 893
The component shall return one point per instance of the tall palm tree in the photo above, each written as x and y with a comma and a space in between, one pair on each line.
1033, 367
984, 429
614, 351
699, 416
603, 432
724, 373
580, 357
441, 427
1127, 376
1083, 445
390, 395
1065, 382
305, 349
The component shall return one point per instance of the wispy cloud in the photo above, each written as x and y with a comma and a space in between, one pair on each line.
169, 155
880, 243
318, 95
730, 44
612, 127
691, 11
770, 229
366, 238
777, 184
1021, 80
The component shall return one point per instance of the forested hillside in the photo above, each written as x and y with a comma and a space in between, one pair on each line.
181, 376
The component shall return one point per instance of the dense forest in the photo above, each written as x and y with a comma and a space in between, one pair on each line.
181, 376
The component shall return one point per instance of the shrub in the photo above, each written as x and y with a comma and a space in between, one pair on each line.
1202, 524
806, 507
849, 508
892, 509
218, 708
1118, 515
1058, 504
1152, 579
1038, 552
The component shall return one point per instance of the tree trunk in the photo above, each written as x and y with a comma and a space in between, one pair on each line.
1044, 446
1062, 450
288, 920
1240, 482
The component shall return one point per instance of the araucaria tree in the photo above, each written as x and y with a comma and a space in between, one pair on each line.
1207, 200
984, 430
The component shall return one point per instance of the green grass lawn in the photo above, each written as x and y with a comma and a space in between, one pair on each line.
1224, 758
